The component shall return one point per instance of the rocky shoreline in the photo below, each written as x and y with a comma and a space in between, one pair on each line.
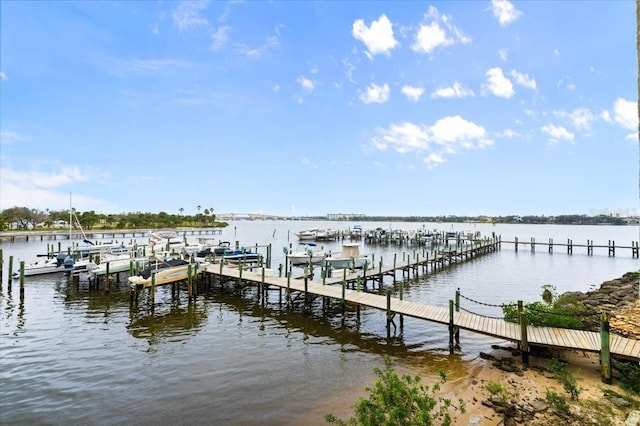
621, 298
524, 396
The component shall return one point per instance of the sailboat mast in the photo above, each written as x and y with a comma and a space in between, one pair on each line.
70, 218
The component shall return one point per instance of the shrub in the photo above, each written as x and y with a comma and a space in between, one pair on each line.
629, 375
568, 380
395, 400
557, 402
553, 311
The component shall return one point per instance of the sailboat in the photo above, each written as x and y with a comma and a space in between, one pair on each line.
62, 262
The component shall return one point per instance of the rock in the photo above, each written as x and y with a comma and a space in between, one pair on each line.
474, 420
620, 402
539, 405
633, 419
485, 355
488, 403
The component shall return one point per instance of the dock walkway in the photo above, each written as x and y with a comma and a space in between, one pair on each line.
540, 336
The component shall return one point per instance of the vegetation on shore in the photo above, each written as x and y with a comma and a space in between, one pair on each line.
396, 400
27, 218
24, 218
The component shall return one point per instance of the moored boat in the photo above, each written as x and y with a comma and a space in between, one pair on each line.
307, 234
305, 254
349, 259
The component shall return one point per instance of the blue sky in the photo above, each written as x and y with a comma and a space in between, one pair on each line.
310, 108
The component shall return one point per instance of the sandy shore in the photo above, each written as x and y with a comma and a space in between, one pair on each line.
467, 380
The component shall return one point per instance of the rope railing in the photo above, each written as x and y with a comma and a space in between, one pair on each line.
488, 304
475, 313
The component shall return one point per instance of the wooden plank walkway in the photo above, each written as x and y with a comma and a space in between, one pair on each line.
541, 336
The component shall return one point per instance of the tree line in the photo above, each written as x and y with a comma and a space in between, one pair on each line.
26, 218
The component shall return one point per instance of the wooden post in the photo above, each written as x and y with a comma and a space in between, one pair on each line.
550, 245
605, 355
524, 342
451, 327
306, 294
106, 280
189, 282
289, 290
457, 306
10, 271
344, 290
516, 244
153, 289
22, 279
388, 314
1, 267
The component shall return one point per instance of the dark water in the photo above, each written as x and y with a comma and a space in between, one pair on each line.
78, 356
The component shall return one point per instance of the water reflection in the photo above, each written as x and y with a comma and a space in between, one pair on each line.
166, 323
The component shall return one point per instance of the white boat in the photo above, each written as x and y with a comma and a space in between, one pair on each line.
356, 233
48, 266
165, 272
61, 263
169, 241
117, 263
307, 234
305, 254
325, 234
349, 259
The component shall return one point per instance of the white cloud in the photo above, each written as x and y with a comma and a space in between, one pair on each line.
11, 137
523, 80
557, 133
219, 37
504, 54
625, 113
606, 116
253, 52
188, 15
456, 131
439, 32
455, 91
276, 88
505, 12
38, 189
433, 160
376, 94
404, 137
446, 137
3, 76
498, 84
378, 38
306, 84
582, 118
509, 133
413, 93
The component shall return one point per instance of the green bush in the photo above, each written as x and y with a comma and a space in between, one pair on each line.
568, 380
557, 402
395, 400
629, 375
553, 311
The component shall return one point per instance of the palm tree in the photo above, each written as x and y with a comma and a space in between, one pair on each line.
198, 217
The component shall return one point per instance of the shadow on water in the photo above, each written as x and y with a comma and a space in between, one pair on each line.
174, 315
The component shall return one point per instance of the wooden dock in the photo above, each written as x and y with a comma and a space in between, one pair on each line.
611, 246
552, 337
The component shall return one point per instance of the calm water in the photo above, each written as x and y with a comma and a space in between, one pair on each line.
78, 356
